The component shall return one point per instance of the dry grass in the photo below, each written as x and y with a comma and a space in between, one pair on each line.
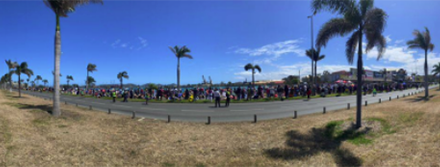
29, 136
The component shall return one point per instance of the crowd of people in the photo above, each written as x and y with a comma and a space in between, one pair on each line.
236, 93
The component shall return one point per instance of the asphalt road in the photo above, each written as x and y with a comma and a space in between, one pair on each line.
235, 112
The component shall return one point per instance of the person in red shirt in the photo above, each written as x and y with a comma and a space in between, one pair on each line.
308, 93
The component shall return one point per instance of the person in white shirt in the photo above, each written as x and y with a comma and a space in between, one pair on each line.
217, 98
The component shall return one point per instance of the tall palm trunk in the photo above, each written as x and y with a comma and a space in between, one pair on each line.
56, 84
426, 74
87, 80
10, 81
19, 86
316, 74
313, 78
121, 82
253, 78
178, 73
359, 82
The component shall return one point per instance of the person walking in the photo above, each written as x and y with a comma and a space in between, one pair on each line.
114, 96
217, 98
147, 96
125, 96
309, 91
228, 97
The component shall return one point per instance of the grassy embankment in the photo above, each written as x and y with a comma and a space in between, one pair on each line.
404, 132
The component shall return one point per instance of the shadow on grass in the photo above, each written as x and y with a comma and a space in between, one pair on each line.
46, 108
15, 97
301, 146
419, 99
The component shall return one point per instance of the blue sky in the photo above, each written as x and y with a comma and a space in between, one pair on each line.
223, 36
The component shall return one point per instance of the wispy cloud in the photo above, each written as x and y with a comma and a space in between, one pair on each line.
272, 52
115, 43
143, 42
275, 49
126, 45
399, 41
388, 38
411, 60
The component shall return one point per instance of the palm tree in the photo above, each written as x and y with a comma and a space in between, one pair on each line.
38, 78
45, 82
436, 70
90, 80
11, 65
180, 53
249, 66
61, 8
69, 78
362, 18
315, 57
5, 78
90, 68
422, 41
53, 73
27, 80
21, 69
122, 75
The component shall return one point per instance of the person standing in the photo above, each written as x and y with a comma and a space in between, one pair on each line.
228, 97
125, 96
217, 98
147, 96
114, 96
309, 91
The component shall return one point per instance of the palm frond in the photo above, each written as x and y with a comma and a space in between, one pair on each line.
28, 72
427, 36
172, 50
320, 58
258, 68
366, 5
415, 46
11, 64
378, 41
63, 7
332, 28
187, 56
431, 47
420, 38
351, 46
91, 67
310, 53
334, 6
375, 21
248, 66
436, 69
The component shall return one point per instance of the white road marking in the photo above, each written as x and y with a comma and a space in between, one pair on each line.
249, 110
199, 110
